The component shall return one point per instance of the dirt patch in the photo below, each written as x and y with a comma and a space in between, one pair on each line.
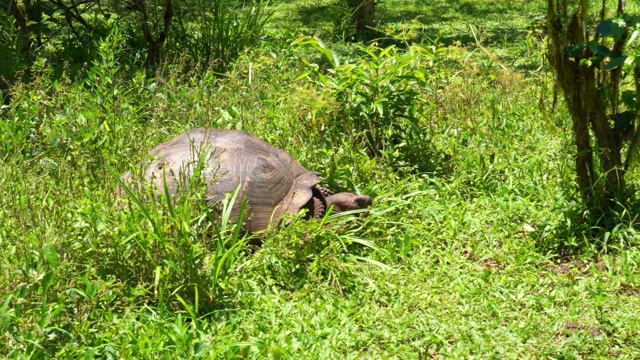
629, 289
577, 267
490, 264
571, 327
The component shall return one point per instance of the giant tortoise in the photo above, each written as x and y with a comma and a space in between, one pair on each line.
272, 181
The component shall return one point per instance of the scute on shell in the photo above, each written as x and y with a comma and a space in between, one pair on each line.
273, 182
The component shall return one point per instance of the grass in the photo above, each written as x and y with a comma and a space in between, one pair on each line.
482, 257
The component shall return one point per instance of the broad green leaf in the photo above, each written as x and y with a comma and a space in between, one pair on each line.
573, 52
5, 316
47, 279
604, 28
615, 62
603, 51
50, 255
156, 280
633, 37
319, 45
629, 98
610, 28
618, 30
45, 319
199, 349
623, 120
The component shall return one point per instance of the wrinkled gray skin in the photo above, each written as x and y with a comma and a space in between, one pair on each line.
272, 181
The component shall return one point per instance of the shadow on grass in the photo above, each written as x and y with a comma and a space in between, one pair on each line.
450, 10
427, 18
592, 230
315, 16
460, 15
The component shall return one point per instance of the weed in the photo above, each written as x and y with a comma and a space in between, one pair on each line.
379, 98
488, 256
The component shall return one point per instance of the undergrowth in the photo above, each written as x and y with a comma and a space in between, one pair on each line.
474, 246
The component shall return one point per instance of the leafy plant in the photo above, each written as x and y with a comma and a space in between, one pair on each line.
466, 274
597, 66
214, 33
322, 251
187, 248
380, 95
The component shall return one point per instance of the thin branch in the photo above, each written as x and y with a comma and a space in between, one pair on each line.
621, 6
635, 138
70, 15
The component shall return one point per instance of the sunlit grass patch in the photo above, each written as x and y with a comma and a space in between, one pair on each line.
480, 255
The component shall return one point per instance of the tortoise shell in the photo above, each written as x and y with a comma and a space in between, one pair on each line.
272, 181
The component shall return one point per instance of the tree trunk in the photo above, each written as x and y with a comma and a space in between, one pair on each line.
33, 10
362, 14
154, 44
153, 53
22, 24
591, 111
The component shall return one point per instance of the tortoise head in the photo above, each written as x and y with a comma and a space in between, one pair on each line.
345, 201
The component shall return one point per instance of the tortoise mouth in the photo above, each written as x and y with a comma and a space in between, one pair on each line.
348, 201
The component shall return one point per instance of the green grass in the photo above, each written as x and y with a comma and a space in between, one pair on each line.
481, 257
